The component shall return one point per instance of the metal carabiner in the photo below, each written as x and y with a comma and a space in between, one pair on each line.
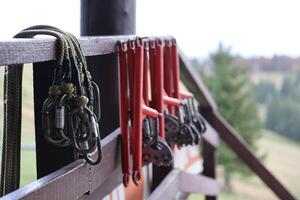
94, 132
97, 101
48, 123
81, 137
197, 118
60, 119
86, 136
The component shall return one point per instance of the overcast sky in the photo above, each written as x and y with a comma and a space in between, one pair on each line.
254, 27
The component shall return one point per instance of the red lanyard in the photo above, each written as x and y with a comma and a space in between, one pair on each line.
139, 60
131, 81
160, 97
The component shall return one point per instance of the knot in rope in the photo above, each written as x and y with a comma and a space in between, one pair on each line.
81, 101
68, 88
54, 91
89, 76
81, 74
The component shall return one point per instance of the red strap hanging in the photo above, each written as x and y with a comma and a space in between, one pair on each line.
176, 74
124, 117
139, 110
159, 95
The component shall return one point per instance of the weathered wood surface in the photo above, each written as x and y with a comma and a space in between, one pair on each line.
168, 188
18, 51
211, 136
209, 164
77, 178
209, 153
190, 183
183, 183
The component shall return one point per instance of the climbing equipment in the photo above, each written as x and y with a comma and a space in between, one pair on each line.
70, 113
152, 122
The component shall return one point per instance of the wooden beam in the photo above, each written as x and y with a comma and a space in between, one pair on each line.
191, 183
19, 51
105, 188
102, 18
191, 79
77, 178
181, 182
209, 164
211, 136
168, 188
242, 149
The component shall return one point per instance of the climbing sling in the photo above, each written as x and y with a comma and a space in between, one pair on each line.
70, 114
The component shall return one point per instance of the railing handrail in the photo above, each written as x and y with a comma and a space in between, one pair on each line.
19, 51
229, 135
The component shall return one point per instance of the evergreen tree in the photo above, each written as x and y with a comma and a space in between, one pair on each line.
230, 87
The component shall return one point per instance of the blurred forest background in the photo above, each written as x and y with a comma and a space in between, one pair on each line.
259, 96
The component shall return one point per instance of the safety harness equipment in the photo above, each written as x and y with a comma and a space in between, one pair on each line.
70, 114
153, 122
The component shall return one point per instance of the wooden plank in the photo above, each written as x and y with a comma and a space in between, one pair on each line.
18, 51
168, 187
106, 187
77, 178
191, 183
211, 136
178, 182
191, 79
49, 158
106, 168
209, 152
119, 18
242, 149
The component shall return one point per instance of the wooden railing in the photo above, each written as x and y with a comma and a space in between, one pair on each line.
80, 181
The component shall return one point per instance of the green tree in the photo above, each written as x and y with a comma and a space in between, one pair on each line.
283, 111
230, 87
265, 91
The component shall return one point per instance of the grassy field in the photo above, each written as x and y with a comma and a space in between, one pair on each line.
283, 160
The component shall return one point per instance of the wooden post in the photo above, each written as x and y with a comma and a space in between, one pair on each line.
107, 17
98, 17
49, 158
209, 154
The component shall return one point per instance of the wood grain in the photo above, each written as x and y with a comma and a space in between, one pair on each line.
179, 183
200, 184
18, 51
168, 187
77, 178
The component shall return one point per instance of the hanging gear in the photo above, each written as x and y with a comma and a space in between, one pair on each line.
140, 126
72, 92
184, 124
155, 148
10, 165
